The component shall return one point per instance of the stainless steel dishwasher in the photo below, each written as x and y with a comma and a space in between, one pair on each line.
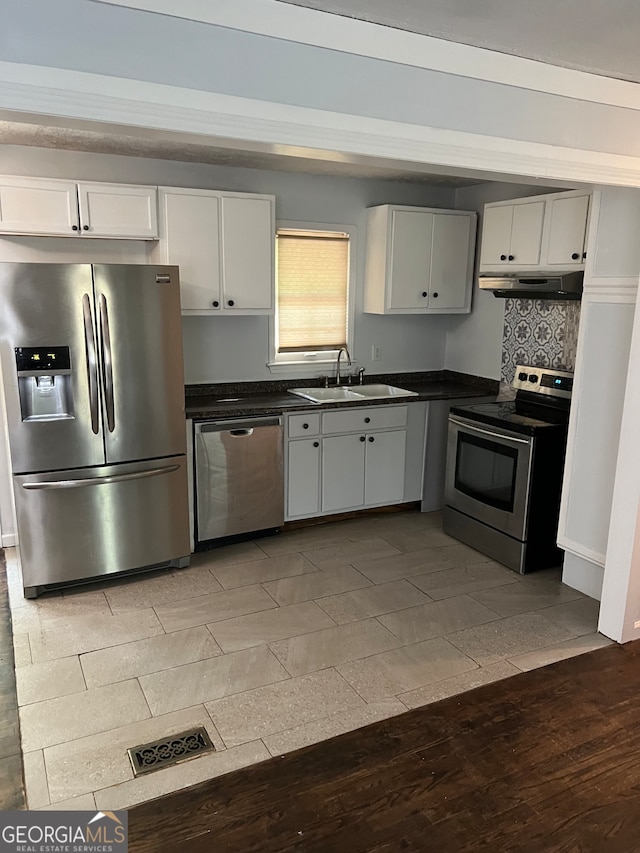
238, 478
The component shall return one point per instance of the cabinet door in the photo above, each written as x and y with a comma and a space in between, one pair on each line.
115, 210
303, 479
248, 244
343, 472
191, 239
526, 233
450, 269
384, 467
410, 260
34, 206
496, 235
567, 230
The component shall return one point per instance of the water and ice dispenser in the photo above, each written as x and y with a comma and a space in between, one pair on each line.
44, 383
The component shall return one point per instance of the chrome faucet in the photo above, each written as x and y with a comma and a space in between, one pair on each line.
340, 351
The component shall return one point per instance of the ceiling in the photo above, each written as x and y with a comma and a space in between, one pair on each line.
599, 36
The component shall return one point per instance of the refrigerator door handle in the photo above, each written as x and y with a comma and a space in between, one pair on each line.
92, 362
97, 481
107, 364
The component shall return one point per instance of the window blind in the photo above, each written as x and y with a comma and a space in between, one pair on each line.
312, 285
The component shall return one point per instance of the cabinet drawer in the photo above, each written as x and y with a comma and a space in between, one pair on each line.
303, 425
356, 420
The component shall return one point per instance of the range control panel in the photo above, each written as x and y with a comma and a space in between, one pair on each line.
543, 380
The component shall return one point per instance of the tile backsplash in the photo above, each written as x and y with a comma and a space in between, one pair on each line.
540, 332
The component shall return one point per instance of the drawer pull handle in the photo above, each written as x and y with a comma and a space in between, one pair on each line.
305, 426
367, 420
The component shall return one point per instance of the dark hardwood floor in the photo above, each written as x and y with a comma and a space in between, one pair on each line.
11, 784
545, 761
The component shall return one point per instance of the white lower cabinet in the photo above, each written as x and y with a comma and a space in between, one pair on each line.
303, 481
343, 466
384, 467
354, 458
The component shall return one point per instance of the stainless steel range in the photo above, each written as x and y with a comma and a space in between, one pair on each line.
505, 462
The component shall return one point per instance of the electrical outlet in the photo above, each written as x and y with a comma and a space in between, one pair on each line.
376, 353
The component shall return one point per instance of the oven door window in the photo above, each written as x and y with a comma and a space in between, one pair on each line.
486, 471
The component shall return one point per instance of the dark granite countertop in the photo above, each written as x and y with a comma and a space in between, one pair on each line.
204, 402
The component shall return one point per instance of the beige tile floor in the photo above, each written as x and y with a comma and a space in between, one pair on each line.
271, 645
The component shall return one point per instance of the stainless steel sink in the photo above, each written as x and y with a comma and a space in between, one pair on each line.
356, 392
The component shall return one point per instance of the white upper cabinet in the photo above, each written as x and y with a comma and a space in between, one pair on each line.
567, 231
453, 238
70, 209
410, 259
118, 210
190, 228
546, 232
224, 245
512, 234
37, 206
248, 246
419, 260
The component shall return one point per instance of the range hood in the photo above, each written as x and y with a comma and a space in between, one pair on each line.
534, 285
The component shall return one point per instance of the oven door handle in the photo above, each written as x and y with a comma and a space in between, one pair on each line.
473, 428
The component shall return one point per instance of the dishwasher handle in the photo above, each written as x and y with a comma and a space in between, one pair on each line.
237, 428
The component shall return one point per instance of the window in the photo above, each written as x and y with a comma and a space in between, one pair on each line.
312, 319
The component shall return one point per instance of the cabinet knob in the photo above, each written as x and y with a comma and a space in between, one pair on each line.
74, 227
511, 258
584, 254
362, 438
371, 438
215, 303
85, 227
231, 303
305, 426
316, 444
367, 420
575, 256
503, 257
424, 293
435, 295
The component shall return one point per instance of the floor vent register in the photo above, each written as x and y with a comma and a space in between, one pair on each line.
169, 750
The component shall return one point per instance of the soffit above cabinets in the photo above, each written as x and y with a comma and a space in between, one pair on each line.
201, 150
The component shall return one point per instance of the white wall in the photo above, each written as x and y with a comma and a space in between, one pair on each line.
474, 341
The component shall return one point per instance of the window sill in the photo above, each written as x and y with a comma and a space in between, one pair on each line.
303, 368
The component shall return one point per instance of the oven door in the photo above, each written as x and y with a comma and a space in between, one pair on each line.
488, 474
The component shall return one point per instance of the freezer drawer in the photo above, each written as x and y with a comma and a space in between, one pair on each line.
239, 477
89, 522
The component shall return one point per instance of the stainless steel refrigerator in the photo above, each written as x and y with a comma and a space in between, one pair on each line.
91, 358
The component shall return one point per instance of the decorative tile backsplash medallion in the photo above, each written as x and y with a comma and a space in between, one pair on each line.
540, 332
